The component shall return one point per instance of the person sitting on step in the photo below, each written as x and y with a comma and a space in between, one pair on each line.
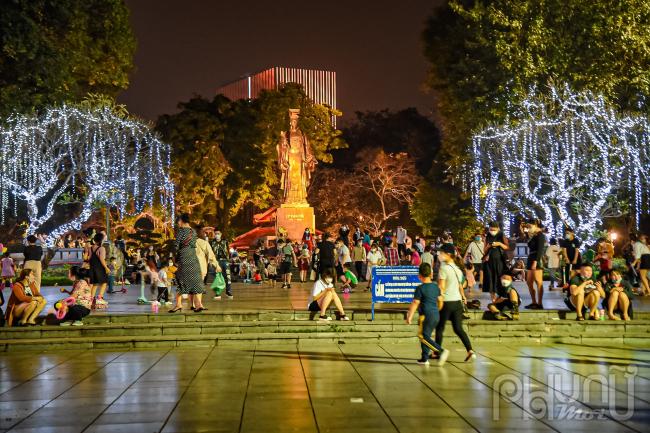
586, 291
507, 299
618, 294
323, 295
82, 296
25, 302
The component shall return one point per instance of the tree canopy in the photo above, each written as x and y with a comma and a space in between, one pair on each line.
236, 143
485, 56
55, 51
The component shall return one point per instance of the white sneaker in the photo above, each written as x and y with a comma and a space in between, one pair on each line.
423, 361
217, 298
77, 323
65, 323
443, 357
127, 282
324, 318
344, 318
231, 297
470, 357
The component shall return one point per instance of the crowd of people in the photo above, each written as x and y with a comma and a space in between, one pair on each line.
592, 285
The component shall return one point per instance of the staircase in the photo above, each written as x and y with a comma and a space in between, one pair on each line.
209, 328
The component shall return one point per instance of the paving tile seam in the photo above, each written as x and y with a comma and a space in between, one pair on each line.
248, 384
519, 350
409, 371
351, 362
189, 384
46, 370
125, 390
556, 390
558, 349
304, 376
106, 363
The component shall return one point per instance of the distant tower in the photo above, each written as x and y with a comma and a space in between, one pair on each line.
320, 86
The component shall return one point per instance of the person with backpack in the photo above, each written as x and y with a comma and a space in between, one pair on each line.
287, 259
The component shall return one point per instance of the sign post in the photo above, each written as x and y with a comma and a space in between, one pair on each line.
393, 285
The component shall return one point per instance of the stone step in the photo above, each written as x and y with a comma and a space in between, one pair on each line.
302, 315
473, 327
302, 338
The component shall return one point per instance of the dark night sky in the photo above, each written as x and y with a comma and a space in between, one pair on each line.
191, 46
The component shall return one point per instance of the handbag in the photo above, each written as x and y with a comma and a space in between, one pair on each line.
219, 284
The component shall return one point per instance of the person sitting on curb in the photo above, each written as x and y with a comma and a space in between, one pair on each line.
425, 300
323, 295
348, 279
507, 299
584, 291
25, 302
82, 296
618, 294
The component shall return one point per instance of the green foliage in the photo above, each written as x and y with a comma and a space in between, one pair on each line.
225, 151
58, 51
438, 207
484, 56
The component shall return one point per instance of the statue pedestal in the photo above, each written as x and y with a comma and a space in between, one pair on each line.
294, 220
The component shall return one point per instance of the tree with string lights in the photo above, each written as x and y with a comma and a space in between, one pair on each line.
566, 158
89, 156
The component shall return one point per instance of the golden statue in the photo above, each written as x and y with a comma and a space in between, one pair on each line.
296, 161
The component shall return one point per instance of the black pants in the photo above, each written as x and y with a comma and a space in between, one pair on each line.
76, 312
359, 267
225, 271
163, 294
453, 310
567, 272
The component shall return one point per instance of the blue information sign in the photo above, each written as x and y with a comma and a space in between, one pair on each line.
393, 284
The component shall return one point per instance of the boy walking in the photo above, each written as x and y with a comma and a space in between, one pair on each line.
425, 300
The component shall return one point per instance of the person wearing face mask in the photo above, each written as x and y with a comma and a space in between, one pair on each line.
571, 253
494, 259
534, 264
618, 295
359, 258
323, 294
474, 254
507, 299
585, 291
451, 281
308, 239
222, 253
374, 258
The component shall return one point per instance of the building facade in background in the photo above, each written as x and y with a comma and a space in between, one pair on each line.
320, 86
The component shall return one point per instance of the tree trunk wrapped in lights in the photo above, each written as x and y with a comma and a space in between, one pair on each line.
568, 159
91, 156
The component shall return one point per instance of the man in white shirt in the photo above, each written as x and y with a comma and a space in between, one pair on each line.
401, 240
553, 253
323, 294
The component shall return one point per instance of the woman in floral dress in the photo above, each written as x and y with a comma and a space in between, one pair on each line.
188, 274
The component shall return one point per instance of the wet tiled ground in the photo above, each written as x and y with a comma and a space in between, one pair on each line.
326, 388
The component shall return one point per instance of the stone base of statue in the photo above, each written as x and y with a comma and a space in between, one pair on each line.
292, 220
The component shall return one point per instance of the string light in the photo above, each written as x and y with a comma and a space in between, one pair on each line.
104, 159
567, 159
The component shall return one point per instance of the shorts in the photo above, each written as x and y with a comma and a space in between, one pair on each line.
314, 306
645, 261
285, 268
507, 303
529, 264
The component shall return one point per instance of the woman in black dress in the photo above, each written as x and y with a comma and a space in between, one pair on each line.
98, 268
534, 265
494, 260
